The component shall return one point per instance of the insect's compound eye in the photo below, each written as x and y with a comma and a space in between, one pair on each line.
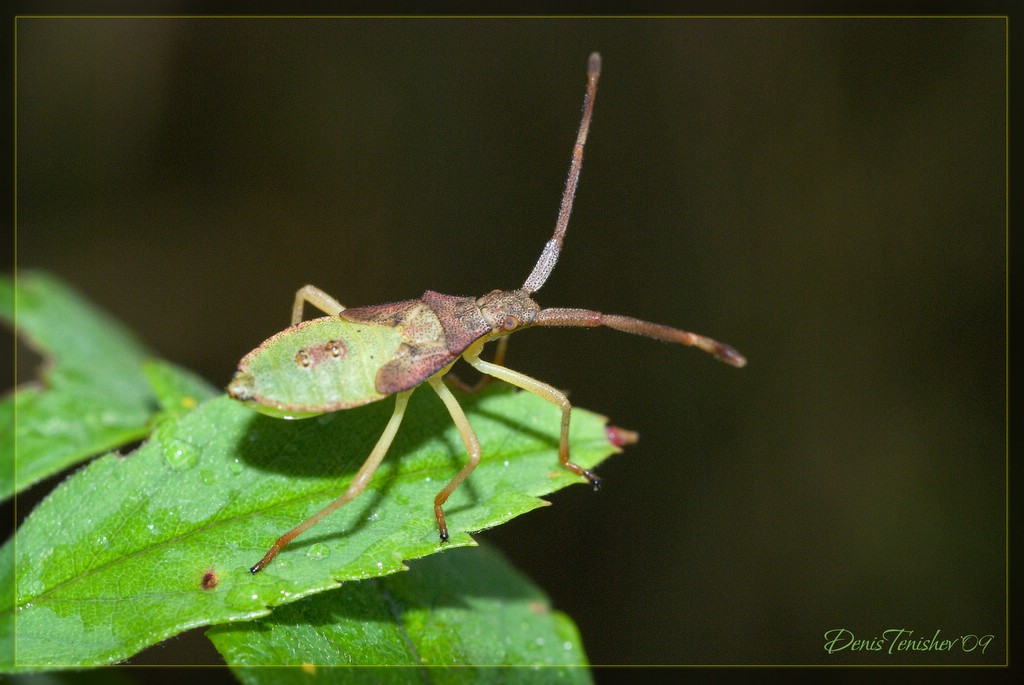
336, 349
510, 323
303, 359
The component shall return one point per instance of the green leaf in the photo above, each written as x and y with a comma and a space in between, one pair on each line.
178, 390
117, 557
466, 608
93, 397
6, 600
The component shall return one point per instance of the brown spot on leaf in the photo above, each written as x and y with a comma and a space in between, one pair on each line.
209, 580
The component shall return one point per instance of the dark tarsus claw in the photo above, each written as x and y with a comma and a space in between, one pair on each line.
594, 480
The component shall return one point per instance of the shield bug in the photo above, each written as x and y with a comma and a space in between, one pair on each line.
359, 355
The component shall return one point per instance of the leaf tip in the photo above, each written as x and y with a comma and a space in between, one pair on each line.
620, 437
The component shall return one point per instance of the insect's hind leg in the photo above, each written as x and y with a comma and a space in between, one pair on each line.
544, 391
355, 488
316, 297
472, 448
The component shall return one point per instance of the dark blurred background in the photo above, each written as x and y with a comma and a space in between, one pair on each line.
828, 195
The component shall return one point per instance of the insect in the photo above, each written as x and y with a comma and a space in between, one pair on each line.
359, 355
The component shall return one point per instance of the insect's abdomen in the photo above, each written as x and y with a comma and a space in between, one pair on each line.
316, 366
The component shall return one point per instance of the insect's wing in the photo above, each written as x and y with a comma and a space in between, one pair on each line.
423, 348
316, 366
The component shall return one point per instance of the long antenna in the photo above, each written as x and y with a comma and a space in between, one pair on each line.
549, 257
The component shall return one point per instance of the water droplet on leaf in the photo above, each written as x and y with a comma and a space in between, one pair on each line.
317, 551
180, 455
242, 597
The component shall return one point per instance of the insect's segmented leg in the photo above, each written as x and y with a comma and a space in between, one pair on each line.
499, 353
544, 391
468, 439
316, 297
354, 489
484, 381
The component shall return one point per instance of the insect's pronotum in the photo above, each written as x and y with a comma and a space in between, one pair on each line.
359, 355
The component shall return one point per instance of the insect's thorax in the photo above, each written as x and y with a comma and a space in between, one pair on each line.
466, 320
434, 330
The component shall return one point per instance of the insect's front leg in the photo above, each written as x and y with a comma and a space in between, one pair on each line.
483, 381
316, 297
544, 391
468, 439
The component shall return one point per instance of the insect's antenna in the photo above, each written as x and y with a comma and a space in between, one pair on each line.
549, 257
586, 318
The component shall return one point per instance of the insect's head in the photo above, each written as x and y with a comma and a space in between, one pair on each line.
508, 310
